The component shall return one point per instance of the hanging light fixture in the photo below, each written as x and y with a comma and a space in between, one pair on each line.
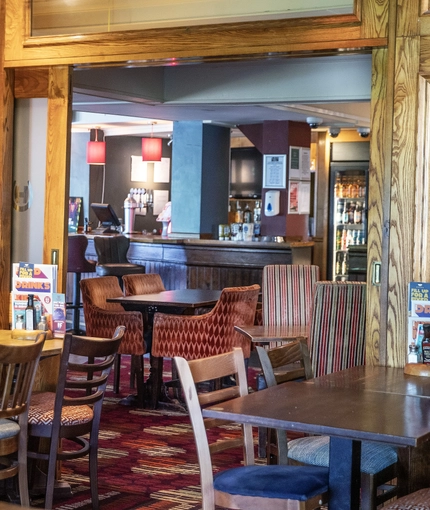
96, 155
96, 151
152, 148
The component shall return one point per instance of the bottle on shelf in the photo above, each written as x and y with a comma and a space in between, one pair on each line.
357, 213
338, 263
257, 218
344, 269
351, 213
339, 212
338, 188
247, 214
346, 212
238, 218
30, 313
338, 239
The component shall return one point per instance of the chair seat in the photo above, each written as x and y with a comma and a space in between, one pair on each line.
118, 269
419, 500
283, 482
8, 428
42, 411
315, 451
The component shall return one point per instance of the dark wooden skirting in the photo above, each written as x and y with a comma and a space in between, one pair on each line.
211, 265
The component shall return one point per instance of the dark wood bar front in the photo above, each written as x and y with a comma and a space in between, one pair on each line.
209, 264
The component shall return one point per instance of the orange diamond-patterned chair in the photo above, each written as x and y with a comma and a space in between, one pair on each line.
148, 283
101, 319
201, 336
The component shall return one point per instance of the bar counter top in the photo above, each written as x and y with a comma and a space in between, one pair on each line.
186, 240
186, 262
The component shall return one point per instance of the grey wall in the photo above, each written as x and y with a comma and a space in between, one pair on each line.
29, 170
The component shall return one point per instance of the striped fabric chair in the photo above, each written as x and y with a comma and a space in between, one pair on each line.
337, 331
288, 294
336, 342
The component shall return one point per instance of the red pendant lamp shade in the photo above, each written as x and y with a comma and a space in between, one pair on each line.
151, 149
96, 153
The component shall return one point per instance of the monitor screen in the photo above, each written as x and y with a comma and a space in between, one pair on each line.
106, 215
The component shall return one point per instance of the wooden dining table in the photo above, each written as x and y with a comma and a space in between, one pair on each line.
358, 404
273, 333
47, 372
178, 301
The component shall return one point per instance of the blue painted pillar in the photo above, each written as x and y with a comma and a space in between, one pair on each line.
200, 178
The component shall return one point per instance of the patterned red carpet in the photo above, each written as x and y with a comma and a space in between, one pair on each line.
147, 459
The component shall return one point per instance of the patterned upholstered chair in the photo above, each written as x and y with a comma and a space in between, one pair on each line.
135, 284
101, 319
288, 294
418, 500
73, 411
200, 336
336, 342
249, 486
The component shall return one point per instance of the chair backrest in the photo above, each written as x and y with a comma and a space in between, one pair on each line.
95, 291
215, 333
111, 249
85, 366
18, 365
207, 369
76, 260
337, 332
286, 363
288, 293
135, 284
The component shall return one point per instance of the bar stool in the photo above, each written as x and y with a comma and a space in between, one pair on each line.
112, 257
77, 264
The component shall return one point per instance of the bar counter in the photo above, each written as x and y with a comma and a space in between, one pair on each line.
207, 263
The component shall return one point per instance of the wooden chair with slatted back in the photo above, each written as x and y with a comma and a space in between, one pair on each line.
288, 362
18, 365
73, 411
247, 487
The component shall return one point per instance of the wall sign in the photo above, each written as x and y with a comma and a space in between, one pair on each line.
274, 171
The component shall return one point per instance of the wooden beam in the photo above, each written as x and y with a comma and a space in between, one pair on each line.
31, 82
58, 170
6, 158
251, 39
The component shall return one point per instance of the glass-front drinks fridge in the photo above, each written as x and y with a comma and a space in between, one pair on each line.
348, 214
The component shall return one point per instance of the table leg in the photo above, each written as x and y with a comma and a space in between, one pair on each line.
155, 380
413, 468
344, 474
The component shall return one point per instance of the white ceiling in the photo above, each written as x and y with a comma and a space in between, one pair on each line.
141, 101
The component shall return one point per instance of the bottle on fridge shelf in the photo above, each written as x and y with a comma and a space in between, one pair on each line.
338, 238
339, 212
357, 213
346, 213
351, 213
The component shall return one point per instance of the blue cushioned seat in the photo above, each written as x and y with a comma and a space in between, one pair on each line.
298, 483
315, 451
8, 428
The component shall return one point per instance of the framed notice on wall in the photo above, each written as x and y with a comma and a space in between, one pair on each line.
274, 171
300, 163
